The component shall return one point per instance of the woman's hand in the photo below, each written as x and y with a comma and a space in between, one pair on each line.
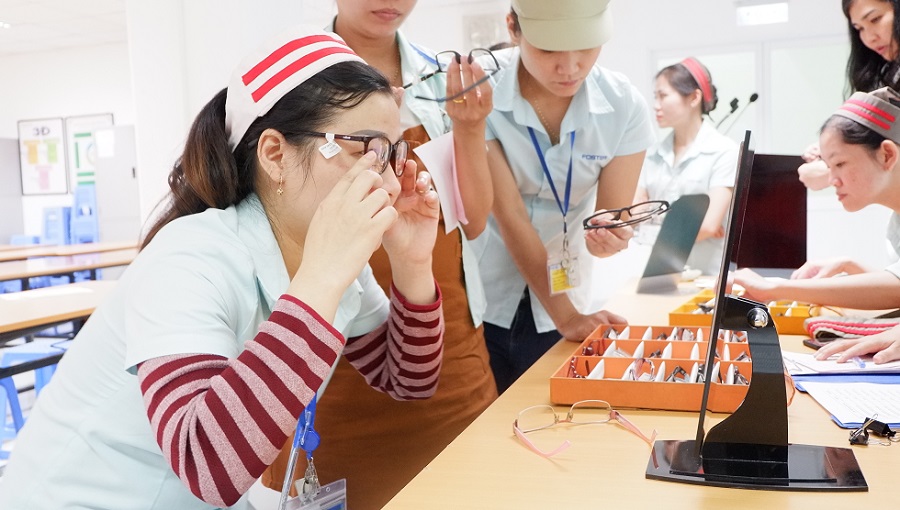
827, 268
471, 109
345, 230
603, 242
412, 237
755, 286
885, 345
578, 326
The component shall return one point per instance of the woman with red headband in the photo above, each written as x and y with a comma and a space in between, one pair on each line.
874, 28
182, 388
692, 158
861, 145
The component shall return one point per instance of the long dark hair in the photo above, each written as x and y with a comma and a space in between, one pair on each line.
208, 174
867, 70
685, 84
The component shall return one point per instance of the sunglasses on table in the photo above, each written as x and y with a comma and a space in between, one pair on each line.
445, 58
625, 216
394, 154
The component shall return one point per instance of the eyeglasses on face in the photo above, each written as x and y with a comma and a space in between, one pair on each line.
631, 215
445, 58
541, 417
388, 153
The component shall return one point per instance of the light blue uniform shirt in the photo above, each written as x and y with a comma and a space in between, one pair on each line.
710, 162
610, 118
203, 285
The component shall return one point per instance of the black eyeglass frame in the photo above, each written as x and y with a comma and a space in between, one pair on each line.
457, 57
633, 219
392, 152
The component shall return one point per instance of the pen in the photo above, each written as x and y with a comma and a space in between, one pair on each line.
859, 362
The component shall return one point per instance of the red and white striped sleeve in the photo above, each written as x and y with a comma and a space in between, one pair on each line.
402, 357
220, 422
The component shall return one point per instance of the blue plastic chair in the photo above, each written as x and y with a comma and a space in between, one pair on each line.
9, 397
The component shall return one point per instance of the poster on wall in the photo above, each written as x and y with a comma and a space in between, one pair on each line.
42, 156
81, 146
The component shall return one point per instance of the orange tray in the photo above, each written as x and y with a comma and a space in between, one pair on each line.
674, 396
788, 316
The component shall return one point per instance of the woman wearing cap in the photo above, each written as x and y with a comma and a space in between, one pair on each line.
566, 137
692, 158
183, 386
874, 62
861, 145
400, 438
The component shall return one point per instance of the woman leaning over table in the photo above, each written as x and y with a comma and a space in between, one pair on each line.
566, 137
182, 387
874, 62
861, 145
377, 444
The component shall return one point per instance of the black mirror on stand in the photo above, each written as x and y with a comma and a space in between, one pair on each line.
750, 448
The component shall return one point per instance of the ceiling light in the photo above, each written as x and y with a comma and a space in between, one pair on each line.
5, 25
761, 12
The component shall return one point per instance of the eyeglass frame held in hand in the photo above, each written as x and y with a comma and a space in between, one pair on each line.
633, 219
456, 56
393, 155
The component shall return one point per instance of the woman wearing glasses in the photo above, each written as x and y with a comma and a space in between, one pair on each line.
861, 145
182, 387
692, 158
566, 137
377, 445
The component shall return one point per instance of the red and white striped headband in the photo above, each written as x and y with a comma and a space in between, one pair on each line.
875, 110
276, 68
699, 73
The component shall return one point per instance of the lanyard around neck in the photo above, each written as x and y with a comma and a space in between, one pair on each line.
564, 203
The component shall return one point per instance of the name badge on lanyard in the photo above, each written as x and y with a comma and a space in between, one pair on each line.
562, 267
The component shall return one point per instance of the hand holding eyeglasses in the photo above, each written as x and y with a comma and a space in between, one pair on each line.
467, 83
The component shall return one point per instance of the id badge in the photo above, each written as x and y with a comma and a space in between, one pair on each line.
330, 497
563, 274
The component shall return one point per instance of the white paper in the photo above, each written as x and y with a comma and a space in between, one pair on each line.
437, 155
854, 402
798, 363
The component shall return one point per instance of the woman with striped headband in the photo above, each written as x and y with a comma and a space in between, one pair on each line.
861, 144
182, 388
692, 158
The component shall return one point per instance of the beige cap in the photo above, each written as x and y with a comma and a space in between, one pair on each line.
878, 110
564, 25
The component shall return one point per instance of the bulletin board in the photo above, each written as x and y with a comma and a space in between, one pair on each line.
42, 156
81, 146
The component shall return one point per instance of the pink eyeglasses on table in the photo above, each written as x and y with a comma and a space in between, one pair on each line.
541, 417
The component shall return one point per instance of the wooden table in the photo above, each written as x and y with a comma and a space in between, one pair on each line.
64, 266
486, 466
10, 252
27, 312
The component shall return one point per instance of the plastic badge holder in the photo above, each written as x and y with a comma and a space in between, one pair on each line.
649, 394
788, 315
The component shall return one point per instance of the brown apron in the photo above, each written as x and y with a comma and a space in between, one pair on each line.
377, 443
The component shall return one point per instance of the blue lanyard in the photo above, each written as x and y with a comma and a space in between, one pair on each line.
306, 436
563, 205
